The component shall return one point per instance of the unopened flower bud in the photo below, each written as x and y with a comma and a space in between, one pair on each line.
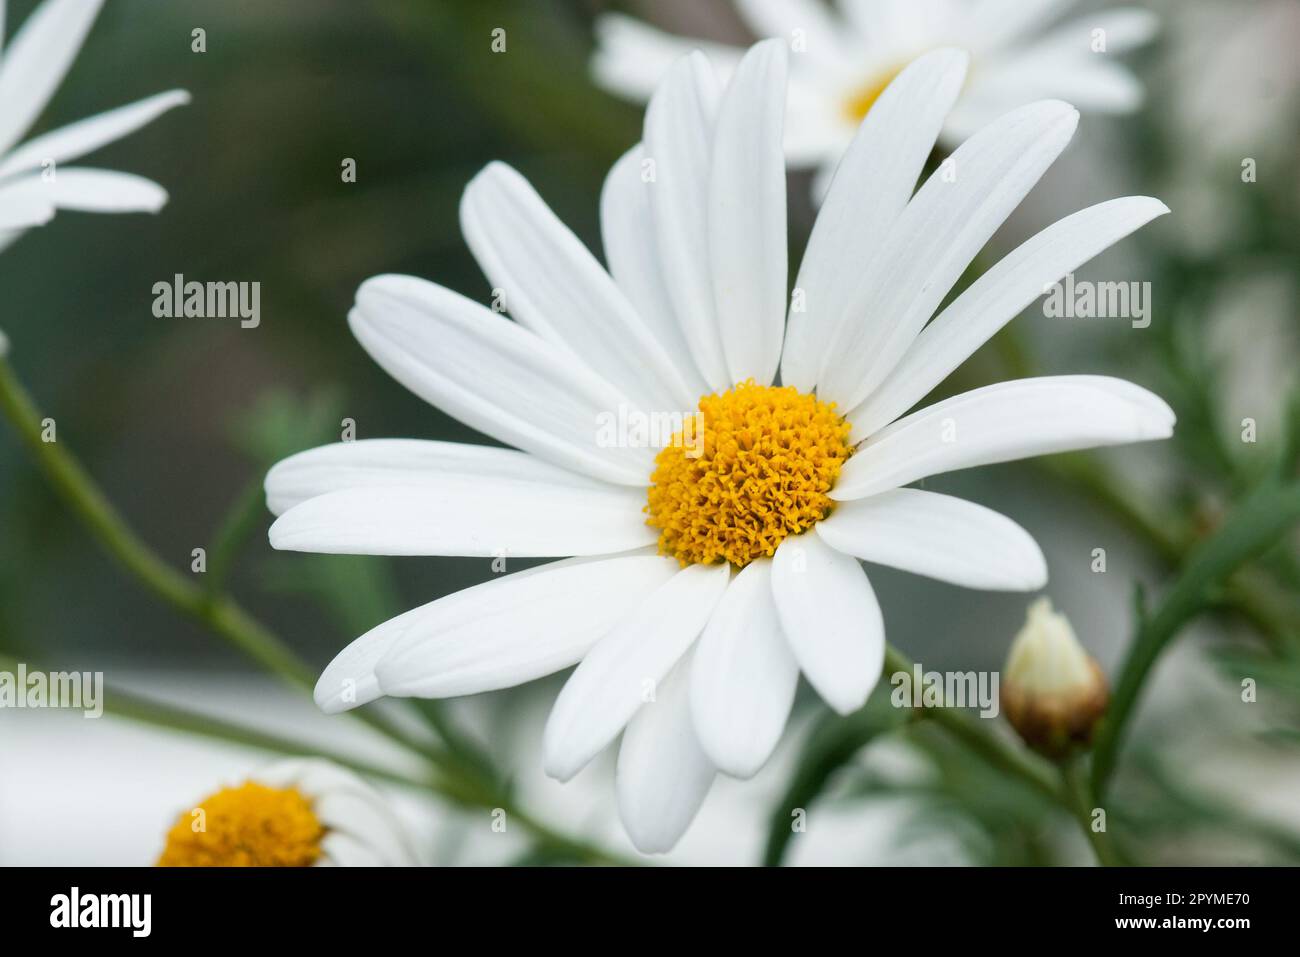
1053, 692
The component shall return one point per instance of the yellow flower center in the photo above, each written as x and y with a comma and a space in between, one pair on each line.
754, 467
864, 98
248, 826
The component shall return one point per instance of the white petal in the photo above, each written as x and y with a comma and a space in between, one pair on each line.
678, 138
553, 285
627, 229
344, 850
663, 775
35, 63
743, 676
373, 826
746, 215
104, 191
390, 463
498, 634
806, 20
938, 536
24, 204
871, 186
995, 299
831, 619
77, 139
933, 241
468, 515
1001, 423
622, 671
494, 375
632, 58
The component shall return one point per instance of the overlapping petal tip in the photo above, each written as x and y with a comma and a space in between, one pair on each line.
663, 773
622, 672
743, 676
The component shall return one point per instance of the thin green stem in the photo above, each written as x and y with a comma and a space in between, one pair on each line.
1083, 804
219, 613
1254, 526
1047, 779
224, 616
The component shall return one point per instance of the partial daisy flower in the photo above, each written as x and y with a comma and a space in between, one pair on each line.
32, 66
295, 813
844, 59
709, 569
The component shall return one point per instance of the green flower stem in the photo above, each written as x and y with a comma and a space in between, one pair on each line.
1083, 800
1005, 755
1254, 526
219, 613
1248, 593
224, 616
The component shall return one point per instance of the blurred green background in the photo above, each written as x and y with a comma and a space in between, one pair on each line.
179, 418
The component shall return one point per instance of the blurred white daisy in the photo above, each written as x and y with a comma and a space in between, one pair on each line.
32, 176
296, 813
843, 58
760, 537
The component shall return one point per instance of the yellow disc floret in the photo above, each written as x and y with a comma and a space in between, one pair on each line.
754, 467
247, 826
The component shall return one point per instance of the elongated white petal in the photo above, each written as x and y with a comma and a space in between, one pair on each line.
679, 125
746, 215
24, 204
104, 191
35, 63
625, 667
871, 186
494, 375
374, 827
627, 230
805, 20
631, 58
938, 536
77, 139
498, 634
743, 676
830, 618
468, 515
396, 463
553, 285
1001, 423
663, 775
995, 299
933, 241
344, 850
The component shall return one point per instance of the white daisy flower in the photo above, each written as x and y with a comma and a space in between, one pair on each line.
692, 650
845, 58
301, 812
33, 183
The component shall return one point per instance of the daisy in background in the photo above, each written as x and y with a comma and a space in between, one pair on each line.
32, 66
842, 60
295, 813
697, 587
